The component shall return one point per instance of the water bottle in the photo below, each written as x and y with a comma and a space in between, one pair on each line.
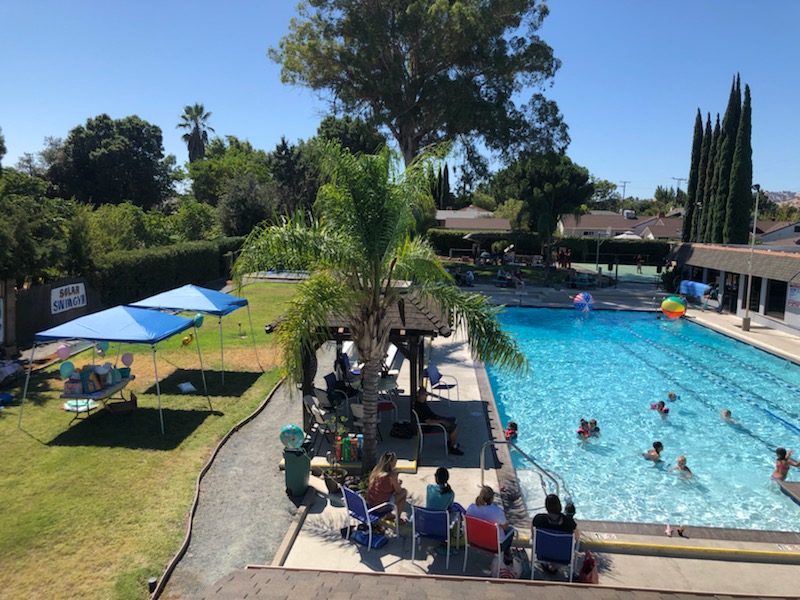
354, 448
346, 448
360, 438
338, 447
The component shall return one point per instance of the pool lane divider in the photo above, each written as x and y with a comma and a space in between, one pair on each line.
780, 556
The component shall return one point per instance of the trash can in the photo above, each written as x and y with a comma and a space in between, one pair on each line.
297, 466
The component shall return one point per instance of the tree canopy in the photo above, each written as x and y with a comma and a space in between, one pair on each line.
430, 70
111, 161
224, 159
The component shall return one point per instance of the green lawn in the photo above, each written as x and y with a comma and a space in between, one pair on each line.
94, 509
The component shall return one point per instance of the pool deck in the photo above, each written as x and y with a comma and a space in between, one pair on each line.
636, 561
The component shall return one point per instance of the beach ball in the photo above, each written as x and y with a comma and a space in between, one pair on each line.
63, 352
66, 369
673, 307
292, 436
583, 302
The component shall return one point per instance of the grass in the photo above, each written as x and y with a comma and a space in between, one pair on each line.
94, 509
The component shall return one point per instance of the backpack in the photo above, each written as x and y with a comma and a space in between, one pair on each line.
402, 430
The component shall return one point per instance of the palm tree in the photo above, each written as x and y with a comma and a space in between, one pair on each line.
195, 120
354, 248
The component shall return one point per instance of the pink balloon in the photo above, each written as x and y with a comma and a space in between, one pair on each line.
127, 359
63, 352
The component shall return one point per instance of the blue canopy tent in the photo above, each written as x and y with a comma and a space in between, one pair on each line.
123, 324
192, 298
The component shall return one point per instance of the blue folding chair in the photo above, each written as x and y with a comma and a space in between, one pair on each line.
357, 508
554, 547
438, 383
435, 524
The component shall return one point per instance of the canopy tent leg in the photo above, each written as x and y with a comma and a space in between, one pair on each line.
158, 389
252, 335
25, 390
202, 371
221, 349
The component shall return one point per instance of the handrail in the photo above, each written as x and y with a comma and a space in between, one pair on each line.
541, 470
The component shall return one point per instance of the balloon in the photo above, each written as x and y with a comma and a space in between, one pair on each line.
292, 436
63, 352
102, 346
583, 302
198, 320
127, 359
673, 307
66, 369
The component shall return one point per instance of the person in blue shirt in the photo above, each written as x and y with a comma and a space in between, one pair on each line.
440, 496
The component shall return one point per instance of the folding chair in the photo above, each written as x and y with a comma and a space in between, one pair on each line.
438, 383
321, 423
357, 410
435, 524
482, 535
424, 429
356, 506
554, 547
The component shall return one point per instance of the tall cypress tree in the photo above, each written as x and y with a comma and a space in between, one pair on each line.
740, 198
730, 126
711, 184
697, 221
691, 186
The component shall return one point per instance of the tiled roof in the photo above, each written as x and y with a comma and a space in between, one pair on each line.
478, 224
778, 263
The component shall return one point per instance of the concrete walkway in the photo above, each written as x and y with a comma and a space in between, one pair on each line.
313, 559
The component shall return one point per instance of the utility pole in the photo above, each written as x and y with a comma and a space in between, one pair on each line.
624, 183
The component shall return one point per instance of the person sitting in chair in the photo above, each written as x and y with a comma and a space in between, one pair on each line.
555, 520
428, 417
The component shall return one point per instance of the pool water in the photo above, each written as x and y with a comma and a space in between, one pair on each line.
611, 366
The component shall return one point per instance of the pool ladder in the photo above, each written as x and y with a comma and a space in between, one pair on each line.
541, 471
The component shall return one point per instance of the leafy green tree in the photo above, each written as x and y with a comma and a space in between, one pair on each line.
430, 70
246, 203
224, 160
195, 121
740, 197
296, 171
605, 196
694, 177
111, 161
125, 226
193, 221
710, 192
355, 248
516, 212
355, 134
730, 125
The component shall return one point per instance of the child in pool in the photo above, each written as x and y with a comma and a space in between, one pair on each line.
726, 416
594, 430
511, 431
661, 407
655, 453
672, 396
782, 463
584, 431
682, 467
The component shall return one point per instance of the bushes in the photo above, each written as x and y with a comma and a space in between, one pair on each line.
126, 276
445, 239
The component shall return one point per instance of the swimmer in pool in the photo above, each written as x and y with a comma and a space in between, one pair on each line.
672, 396
661, 407
782, 463
583, 431
726, 416
655, 453
594, 430
682, 468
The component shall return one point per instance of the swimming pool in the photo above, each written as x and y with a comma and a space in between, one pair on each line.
611, 366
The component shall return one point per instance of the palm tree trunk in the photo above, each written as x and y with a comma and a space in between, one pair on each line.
370, 375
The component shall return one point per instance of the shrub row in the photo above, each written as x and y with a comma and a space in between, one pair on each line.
128, 276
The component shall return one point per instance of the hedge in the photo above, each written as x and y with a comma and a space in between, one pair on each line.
128, 276
445, 239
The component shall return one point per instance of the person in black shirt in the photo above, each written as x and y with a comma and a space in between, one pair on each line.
554, 519
427, 416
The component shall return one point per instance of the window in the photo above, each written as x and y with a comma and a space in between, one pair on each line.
776, 299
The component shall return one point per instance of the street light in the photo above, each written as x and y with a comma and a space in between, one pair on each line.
746, 320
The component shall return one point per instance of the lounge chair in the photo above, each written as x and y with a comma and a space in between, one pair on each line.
356, 506
554, 547
438, 383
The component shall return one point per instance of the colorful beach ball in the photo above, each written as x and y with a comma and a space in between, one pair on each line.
292, 436
583, 302
673, 307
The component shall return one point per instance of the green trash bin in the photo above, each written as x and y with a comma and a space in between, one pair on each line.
297, 466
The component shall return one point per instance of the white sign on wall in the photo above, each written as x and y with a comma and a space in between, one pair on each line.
67, 297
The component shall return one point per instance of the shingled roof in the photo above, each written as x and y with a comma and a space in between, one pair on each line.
778, 263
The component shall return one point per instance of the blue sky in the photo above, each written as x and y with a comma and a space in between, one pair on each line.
633, 75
